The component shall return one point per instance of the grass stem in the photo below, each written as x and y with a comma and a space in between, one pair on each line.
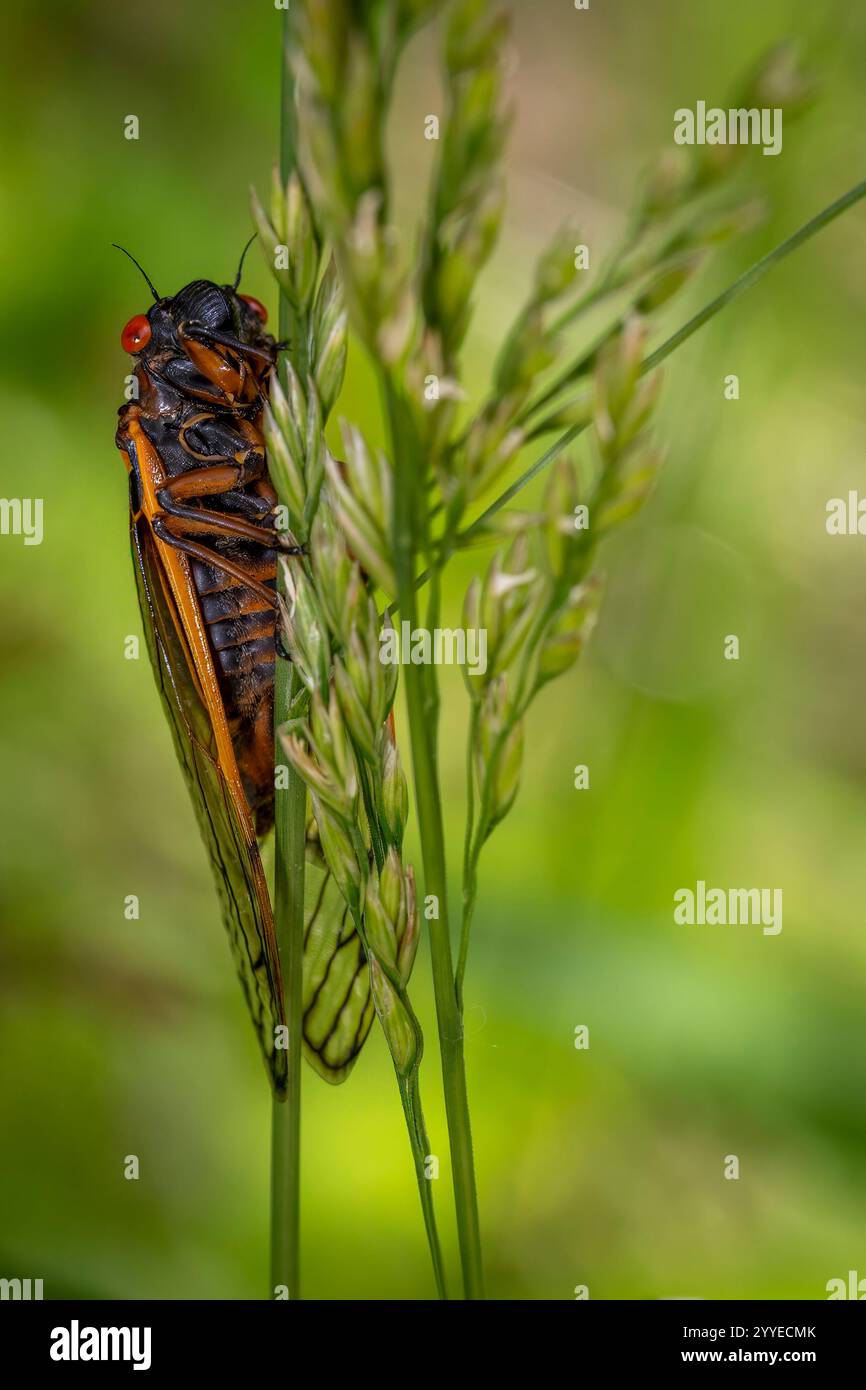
420, 701
290, 819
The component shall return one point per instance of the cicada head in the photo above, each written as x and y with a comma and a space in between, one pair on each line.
203, 310
208, 310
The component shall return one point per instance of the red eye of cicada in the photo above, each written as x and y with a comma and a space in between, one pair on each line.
136, 334
256, 305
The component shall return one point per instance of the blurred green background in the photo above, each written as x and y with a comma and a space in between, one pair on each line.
602, 1167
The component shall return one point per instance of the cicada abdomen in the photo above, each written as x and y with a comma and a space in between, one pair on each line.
205, 545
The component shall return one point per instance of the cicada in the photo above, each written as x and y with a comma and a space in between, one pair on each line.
204, 548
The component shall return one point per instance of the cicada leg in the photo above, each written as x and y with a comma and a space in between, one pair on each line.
207, 556
199, 521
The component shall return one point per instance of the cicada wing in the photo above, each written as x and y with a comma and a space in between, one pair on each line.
223, 815
338, 1006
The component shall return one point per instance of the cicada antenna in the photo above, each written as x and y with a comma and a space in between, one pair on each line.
139, 267
237, 280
